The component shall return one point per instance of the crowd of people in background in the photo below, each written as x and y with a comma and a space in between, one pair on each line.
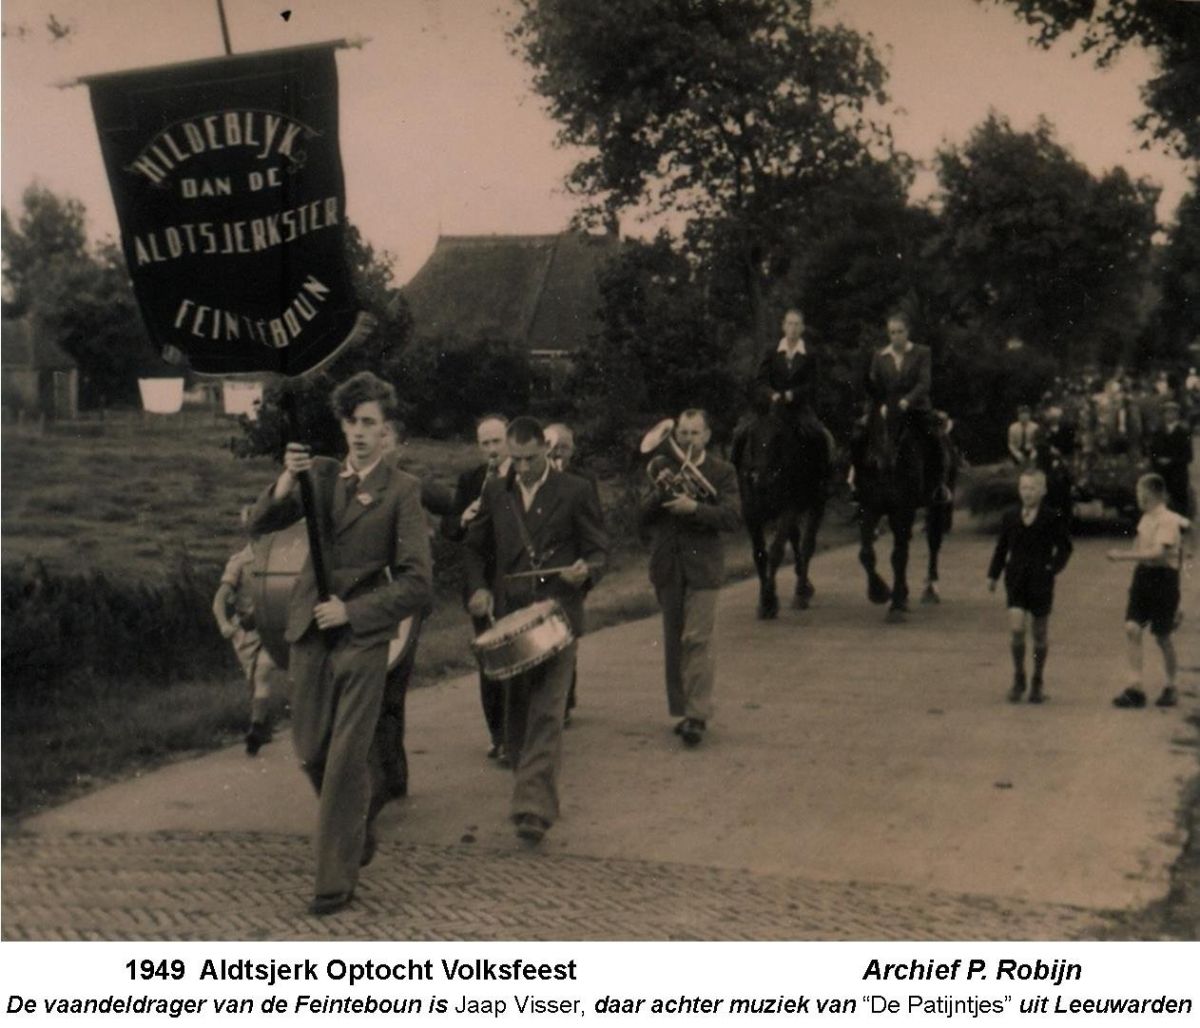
1144, 420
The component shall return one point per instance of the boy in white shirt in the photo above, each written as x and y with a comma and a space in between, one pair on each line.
1154, 592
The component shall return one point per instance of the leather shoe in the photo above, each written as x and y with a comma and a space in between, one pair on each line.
531, 828
330, 903
692, 732
1131, 699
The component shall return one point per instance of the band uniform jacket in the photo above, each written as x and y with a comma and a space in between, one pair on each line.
1034, 553
775, 374
376, 551
564, 525
911, 381
689, 546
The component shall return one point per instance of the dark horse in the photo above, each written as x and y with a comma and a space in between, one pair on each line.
782, 478
890, 481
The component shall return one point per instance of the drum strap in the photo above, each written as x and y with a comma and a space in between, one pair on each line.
535, 561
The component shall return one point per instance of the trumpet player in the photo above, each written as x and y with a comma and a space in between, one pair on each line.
492, 442
686, 509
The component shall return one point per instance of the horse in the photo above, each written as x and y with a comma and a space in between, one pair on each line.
939, 513
782, 478
890, 482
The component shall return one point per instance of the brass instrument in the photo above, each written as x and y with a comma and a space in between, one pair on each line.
672, 469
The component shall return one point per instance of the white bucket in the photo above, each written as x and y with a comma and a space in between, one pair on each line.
161, 395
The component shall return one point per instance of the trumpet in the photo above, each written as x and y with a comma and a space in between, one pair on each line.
673, 472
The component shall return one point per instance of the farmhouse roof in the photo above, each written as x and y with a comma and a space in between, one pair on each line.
540, 291
22, 345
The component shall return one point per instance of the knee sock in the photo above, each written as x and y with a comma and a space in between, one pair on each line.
1018, 655
1039, 662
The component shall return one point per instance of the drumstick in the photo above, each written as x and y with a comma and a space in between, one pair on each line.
540, 572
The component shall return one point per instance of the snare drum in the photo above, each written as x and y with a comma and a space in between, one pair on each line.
523, 639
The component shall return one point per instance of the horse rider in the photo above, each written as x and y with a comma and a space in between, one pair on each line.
899, 381
785, 385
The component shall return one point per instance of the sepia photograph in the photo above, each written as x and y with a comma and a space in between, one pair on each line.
660, 470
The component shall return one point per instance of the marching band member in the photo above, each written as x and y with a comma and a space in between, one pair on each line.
687, 567
561, 443
380, 571
388, 759
493, 444
534, 517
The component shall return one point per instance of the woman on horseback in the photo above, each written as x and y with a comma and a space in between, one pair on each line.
785, 386
899, 381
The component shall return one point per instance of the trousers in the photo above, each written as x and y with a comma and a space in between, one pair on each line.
491, 694
688, 619
336, 697
536, 702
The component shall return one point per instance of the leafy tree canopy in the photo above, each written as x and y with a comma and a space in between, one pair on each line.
49, 229
734, 113
1170, 27
1036, 246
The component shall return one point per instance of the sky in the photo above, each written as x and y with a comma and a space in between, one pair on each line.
441, 132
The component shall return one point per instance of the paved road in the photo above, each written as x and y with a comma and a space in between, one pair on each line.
861, 780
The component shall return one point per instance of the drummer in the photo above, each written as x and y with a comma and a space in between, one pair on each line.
536, 517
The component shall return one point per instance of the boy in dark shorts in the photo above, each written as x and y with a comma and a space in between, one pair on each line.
1154, 592
1034, 546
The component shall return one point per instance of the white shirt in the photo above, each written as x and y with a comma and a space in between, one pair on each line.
898, 358
1162, 527
350, 469
790, 351
529, 492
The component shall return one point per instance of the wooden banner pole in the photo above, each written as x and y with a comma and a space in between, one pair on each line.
224, 28
312, 515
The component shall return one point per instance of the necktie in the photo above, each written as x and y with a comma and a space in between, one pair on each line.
350, 486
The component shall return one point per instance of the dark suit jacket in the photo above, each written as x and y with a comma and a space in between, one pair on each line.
564, 525
689, 547
1031, 553
911, 381
378, 534
774, 375
466, 492
1172, 450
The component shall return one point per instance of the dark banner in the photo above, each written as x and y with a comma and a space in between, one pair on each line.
228, 185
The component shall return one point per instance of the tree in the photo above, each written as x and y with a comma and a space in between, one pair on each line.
50, 230
733, 113
1035, 246
656, 352
1179, 308
80, 297
1170, 27
87, 305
